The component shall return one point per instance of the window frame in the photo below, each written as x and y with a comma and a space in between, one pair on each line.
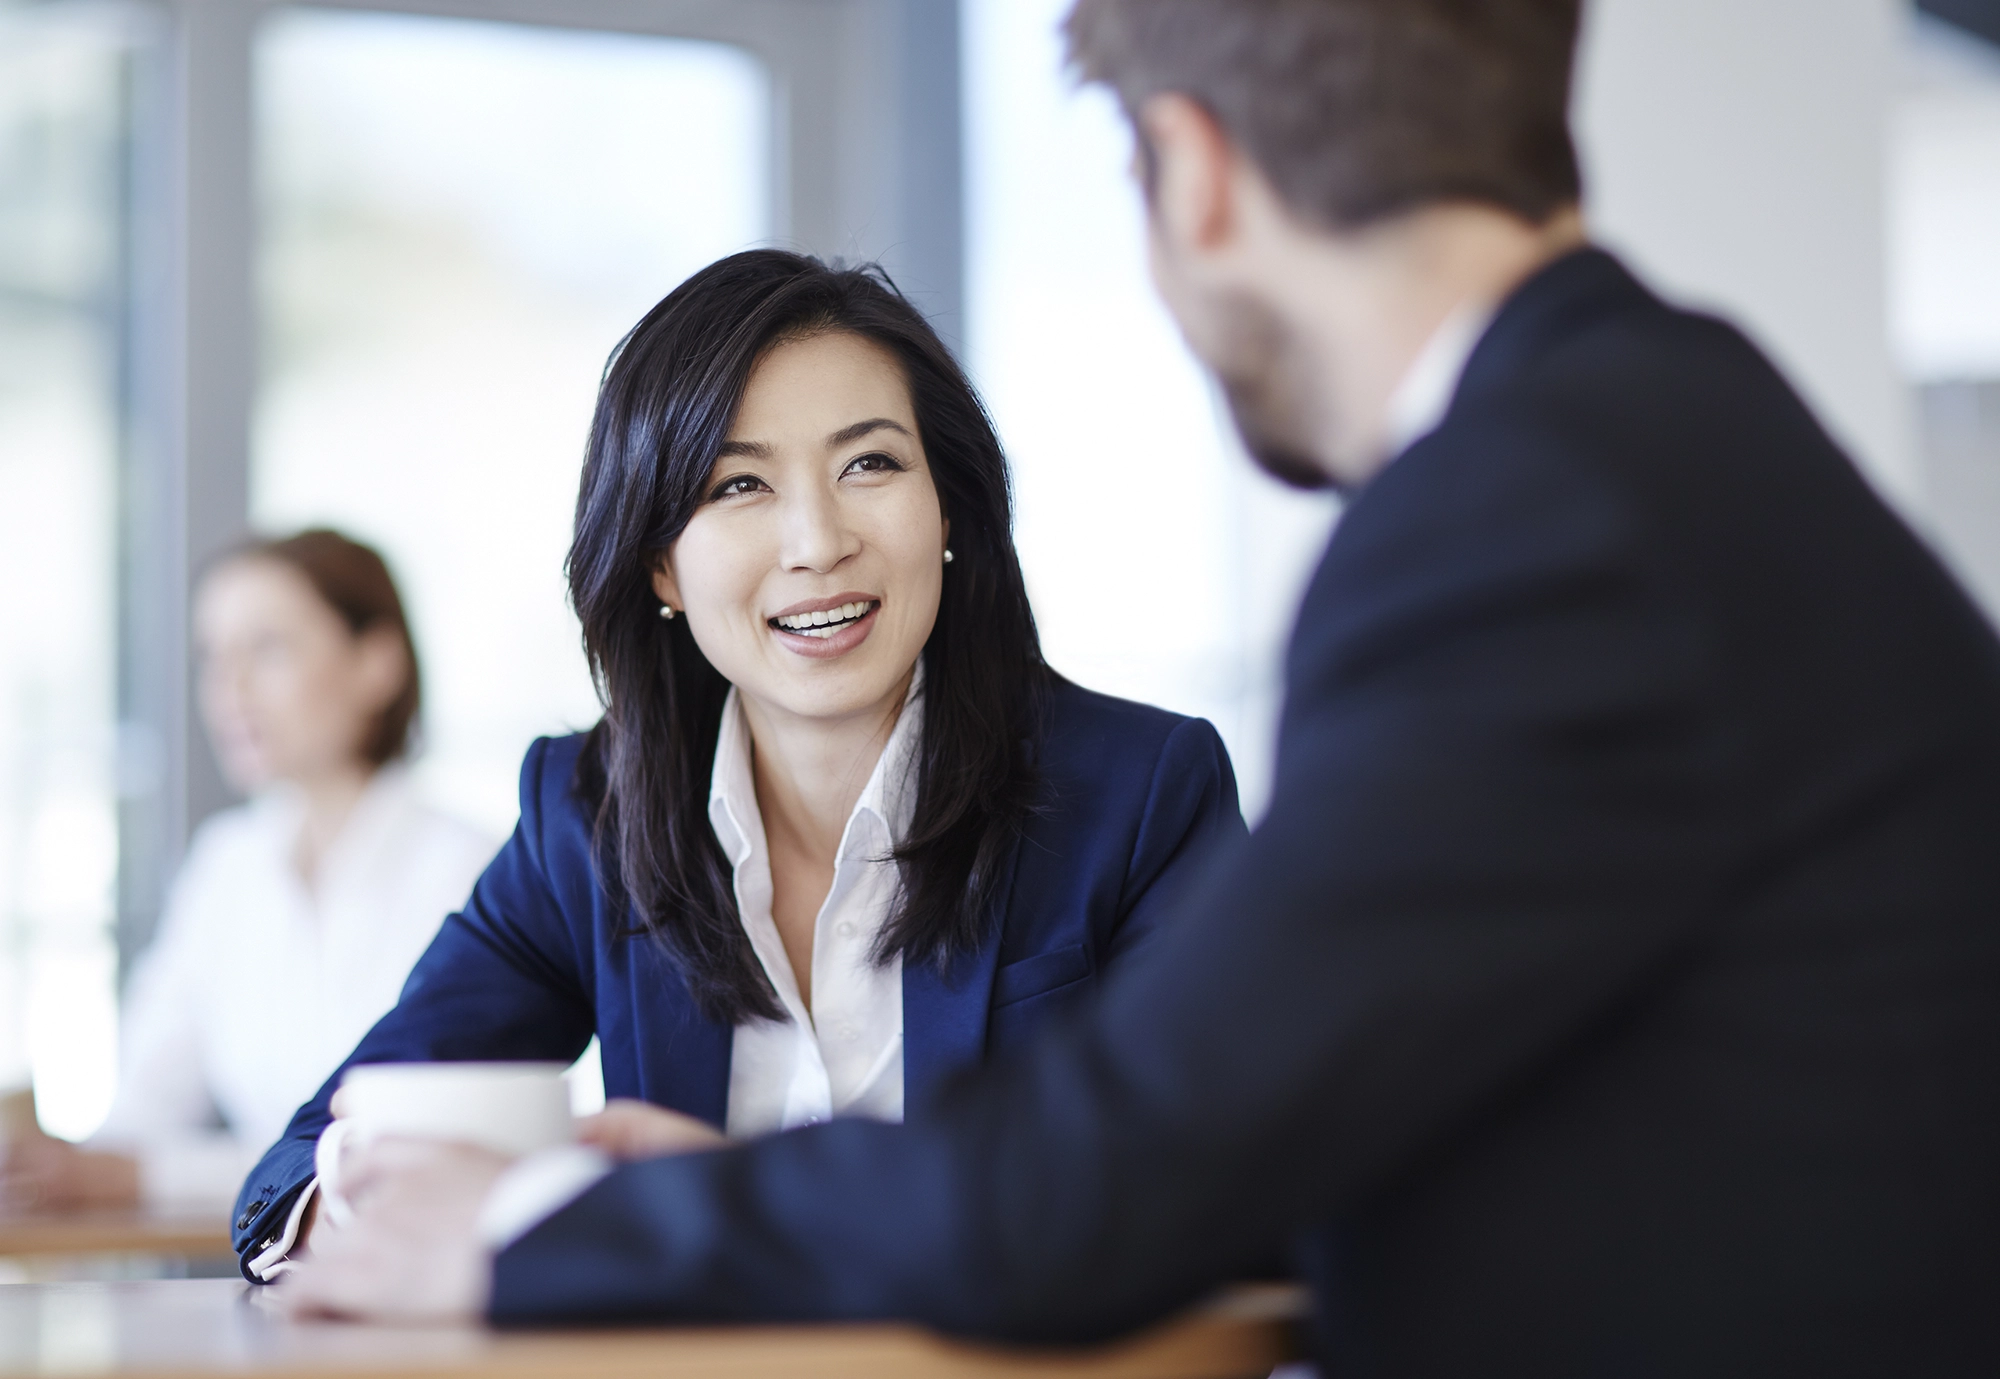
866, 164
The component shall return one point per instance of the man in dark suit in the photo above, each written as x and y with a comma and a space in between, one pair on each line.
1614, 984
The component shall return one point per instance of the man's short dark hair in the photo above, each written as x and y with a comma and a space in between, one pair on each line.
1358, 110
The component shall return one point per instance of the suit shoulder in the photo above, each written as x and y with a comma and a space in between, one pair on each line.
549, 796
555, 758
1074, 709
1146, 782
1099, 732
1651, 375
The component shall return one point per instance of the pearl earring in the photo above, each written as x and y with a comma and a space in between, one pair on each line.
947, 555
667, 611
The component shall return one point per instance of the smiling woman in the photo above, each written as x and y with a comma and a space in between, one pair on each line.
821, 455
840, 832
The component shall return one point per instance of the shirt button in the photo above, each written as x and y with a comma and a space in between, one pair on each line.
845, 1031
845, 928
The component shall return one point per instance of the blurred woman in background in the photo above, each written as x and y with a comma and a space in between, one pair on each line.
297, 915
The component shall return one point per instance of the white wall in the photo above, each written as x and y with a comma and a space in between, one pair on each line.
1944, 274
1944, 208
1735, 150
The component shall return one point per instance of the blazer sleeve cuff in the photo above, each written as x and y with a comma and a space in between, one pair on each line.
275, 1260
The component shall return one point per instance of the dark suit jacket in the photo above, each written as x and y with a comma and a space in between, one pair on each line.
1132, 798
1612, 988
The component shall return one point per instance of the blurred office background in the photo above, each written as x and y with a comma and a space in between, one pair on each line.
264, 264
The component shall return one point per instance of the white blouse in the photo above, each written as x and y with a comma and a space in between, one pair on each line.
208, 1079
844, 1055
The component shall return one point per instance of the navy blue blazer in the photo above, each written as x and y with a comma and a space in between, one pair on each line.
1612, 988
537, 962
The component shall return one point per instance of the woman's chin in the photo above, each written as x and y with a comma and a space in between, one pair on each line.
830, 690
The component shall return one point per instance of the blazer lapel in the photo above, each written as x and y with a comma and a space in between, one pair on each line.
699, 1070
944, 1014
682, 1056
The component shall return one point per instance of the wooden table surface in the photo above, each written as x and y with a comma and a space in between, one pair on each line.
220, 1327
197, 1235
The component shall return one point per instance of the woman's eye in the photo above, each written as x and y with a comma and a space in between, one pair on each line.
731, 488
873, 463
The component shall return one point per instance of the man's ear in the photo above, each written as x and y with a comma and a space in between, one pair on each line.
1191, 164
665, 588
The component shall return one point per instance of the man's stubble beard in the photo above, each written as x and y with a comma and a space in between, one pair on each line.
1269, 383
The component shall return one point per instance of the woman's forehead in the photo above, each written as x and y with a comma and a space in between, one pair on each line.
255, 588
804, 392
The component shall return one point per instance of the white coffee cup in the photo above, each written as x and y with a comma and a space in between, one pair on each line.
509, 1108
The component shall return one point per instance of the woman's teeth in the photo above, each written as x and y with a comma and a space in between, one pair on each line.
827, 621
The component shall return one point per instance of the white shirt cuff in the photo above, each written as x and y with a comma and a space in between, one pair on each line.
274, 1261
536, 1187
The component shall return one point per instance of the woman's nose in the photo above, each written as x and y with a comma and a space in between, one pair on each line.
816, 537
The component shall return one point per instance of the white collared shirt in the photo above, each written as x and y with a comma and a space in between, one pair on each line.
1424, 395
844, 1055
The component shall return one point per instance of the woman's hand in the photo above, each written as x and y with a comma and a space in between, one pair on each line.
628, 1129
42, 1173
412, 1253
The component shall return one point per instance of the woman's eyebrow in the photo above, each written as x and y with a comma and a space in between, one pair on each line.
862, 428
756, 450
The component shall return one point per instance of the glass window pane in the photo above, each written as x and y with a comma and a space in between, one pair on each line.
460, 220
61, 110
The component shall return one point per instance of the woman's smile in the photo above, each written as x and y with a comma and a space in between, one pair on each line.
828, 627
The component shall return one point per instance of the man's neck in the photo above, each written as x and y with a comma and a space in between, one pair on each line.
1364, 305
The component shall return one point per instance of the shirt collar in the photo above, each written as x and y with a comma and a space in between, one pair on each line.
889, 798
1422, 399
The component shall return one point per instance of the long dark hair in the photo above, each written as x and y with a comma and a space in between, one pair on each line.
670, 393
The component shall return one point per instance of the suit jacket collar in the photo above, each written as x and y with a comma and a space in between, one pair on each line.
696, 1079
1561, 298
950, 1005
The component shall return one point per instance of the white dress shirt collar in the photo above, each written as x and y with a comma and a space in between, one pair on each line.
884, 809
1424, 396
844, 1055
